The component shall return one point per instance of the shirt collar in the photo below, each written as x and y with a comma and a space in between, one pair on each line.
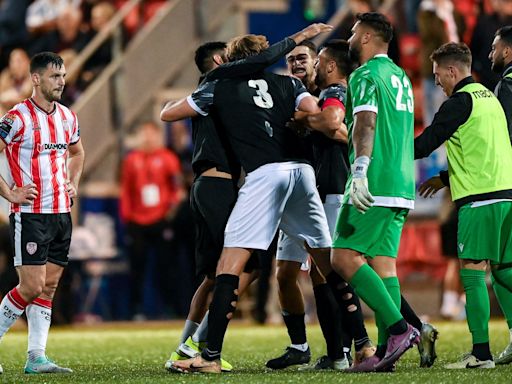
508, 69
463, 83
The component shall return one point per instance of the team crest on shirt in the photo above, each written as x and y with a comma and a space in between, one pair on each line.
31, 247
66, 125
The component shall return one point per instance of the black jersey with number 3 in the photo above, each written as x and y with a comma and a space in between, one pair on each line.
254, 111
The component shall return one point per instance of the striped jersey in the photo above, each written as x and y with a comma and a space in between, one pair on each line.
37, 151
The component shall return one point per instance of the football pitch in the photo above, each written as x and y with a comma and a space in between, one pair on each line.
135, 353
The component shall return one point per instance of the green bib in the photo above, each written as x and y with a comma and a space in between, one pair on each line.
479, 152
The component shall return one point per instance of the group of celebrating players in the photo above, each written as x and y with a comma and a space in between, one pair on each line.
327, 163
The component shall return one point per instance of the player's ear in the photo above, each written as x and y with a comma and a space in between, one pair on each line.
217, 59
36, 78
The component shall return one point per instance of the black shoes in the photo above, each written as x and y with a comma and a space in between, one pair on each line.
292, 356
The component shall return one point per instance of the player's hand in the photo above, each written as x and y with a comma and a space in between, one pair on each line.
430, 187
361, 197
311, 31
71, 189
23, 195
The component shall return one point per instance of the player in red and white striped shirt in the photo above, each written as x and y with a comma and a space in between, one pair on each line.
45, 155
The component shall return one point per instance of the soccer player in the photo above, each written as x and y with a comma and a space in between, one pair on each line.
279, 190
329, 158
216, 173
380, 118
45, 156
474, 127
501, 59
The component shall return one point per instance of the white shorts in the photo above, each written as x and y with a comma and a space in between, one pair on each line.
278, 196
291, 250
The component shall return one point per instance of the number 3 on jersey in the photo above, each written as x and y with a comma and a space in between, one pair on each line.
263, 99
409, 103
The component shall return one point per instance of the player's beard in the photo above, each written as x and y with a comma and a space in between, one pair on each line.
354, 54
498, 65
52, 95
318, 79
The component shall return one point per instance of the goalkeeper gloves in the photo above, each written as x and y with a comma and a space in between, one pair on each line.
361, 197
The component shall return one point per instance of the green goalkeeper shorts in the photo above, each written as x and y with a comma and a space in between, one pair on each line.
485, 232
376, 233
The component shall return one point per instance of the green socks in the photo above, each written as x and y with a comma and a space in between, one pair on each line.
393, 287
477, 304
370, 287
502, 284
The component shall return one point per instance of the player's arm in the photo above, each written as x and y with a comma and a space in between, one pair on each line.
177, 110
453, 113
269, 56
75, 167
10, 126
363, 136
198, 103
329, 121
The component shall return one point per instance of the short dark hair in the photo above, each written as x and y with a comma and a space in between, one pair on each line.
452, 53
505, 34
310, 45
40, 61
338, 50
379, 23
205, 52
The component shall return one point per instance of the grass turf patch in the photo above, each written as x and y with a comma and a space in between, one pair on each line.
136, 354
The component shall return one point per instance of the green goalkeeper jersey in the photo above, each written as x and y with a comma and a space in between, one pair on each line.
382, 87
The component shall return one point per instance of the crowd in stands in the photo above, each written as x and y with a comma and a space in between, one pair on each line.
64, 27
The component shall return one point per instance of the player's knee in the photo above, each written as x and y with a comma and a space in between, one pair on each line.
31, 290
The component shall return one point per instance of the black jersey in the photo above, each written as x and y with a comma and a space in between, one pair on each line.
254, 111
211, 148
330, 158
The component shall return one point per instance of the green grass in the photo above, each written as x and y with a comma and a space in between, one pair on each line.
136, 354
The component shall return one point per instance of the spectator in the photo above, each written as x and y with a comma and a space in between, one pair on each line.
15, 83
438, 23
101, 14
483, 35
67, 35
42, 15
13, 31
150, 192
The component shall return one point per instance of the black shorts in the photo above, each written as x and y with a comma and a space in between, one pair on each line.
40, 238
211, 200
449, 234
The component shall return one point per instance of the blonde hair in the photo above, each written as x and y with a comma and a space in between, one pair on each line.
244, 46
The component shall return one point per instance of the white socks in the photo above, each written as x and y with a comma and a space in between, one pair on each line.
11, 307
301, 347
201, 333
39, 316
188, 330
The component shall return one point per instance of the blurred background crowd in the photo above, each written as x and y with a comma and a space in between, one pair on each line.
129, 261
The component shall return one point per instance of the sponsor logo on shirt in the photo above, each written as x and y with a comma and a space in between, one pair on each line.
51, 147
